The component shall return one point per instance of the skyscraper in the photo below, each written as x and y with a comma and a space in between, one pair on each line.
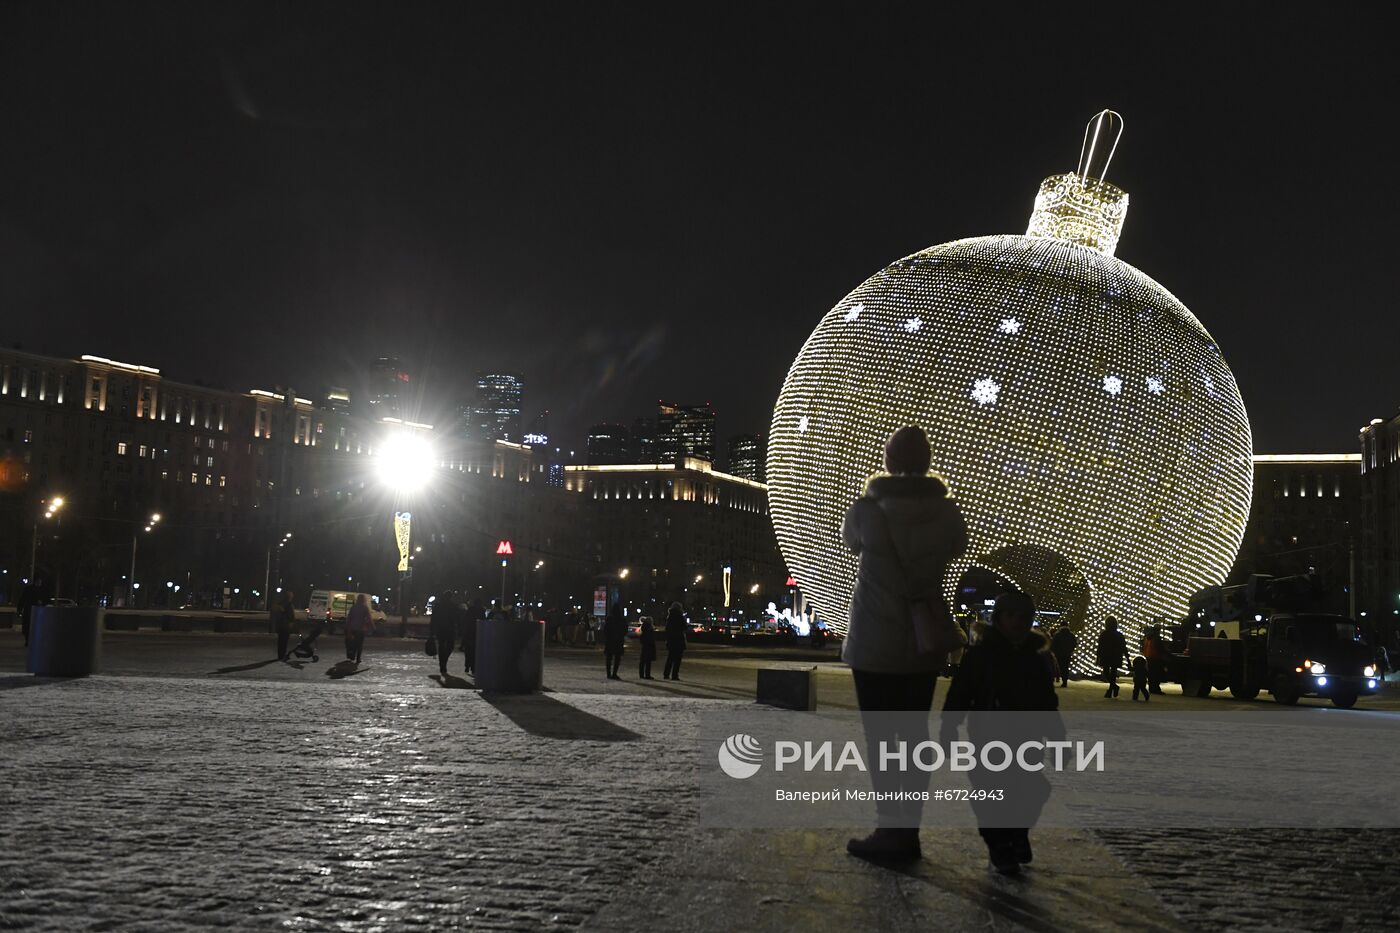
746, 457
643, 441
684, 431
610, 443
496, 413
389, 384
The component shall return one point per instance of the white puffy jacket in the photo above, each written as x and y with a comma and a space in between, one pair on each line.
906, 530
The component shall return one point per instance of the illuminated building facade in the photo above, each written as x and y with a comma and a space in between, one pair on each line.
684, 431
1085, 420
496, 412
675, 527
1305, 518
746, 456
1379, 553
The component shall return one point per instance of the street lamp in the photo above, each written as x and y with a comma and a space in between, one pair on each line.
404, 465
150, 524
51, 507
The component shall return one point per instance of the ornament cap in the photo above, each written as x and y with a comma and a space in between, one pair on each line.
1081, 206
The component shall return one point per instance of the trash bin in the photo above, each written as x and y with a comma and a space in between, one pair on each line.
509, 656
65, 641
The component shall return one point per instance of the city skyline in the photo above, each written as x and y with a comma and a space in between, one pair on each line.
375, 188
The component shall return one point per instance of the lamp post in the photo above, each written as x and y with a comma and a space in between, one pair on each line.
131, 580
51, 507
404, 465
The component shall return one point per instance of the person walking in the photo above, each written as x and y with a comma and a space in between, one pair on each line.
675, 642
35, 593
358, 624
470, 621
1111, 651
905, 530
1062, 646
614, 640
444, 627
282, 615
648, 649
1011, 669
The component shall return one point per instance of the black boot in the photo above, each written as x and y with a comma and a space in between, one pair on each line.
1003, 857
887, 845
1021, 845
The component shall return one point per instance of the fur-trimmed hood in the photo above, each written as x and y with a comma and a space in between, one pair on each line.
905, 486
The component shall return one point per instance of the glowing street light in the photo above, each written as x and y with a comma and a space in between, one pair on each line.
405, 462
151, 523
51, 507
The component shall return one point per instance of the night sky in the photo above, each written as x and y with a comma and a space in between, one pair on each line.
629, 203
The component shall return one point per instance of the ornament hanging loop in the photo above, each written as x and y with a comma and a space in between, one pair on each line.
1096, 143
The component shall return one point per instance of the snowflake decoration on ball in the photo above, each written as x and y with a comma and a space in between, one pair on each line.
802, 425
1155, 386
913, 324
984, 392
1010, 326
854, 313
1112, 385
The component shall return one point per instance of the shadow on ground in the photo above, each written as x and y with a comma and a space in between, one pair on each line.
452, 683
549, 718
244, 667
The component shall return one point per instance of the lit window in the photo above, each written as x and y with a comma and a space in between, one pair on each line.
141, 451
121, 448
194, 479
222, 481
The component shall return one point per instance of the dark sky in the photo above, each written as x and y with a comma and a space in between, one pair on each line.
650, 200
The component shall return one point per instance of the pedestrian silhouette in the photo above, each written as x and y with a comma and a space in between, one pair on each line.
905, 529
675, 642
614, 640
648, 649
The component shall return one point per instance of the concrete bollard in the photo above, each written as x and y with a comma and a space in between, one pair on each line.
788, 687
509, 656
65, 641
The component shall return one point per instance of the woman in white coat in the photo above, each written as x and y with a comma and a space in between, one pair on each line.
906, 530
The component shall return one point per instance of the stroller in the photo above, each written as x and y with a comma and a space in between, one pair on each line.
306, 648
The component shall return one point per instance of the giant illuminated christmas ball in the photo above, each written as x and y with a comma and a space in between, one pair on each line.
1085, 420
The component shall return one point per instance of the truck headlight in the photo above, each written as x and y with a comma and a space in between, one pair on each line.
1318, 667
1370, 671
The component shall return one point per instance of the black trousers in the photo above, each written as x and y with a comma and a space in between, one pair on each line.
672, 670
900, 706
612, 658
1110, 676
1063, 663
644, 668
283, 633
354, 646
444, 651
1140, 687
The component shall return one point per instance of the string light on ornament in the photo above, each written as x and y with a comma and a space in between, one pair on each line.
1097, 500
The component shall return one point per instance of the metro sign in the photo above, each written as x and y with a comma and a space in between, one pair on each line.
504, 549
791, 581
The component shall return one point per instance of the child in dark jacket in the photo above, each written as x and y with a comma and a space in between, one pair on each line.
1140, 678
1010, 669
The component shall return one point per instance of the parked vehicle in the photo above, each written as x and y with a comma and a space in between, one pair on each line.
1235, 641
334, 605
